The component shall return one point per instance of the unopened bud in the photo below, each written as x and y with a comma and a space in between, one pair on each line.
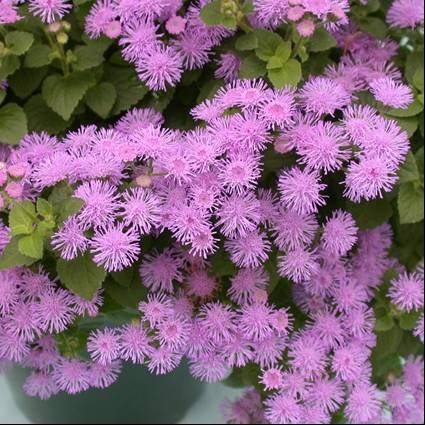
62, 38
282, 146
54, 28
66, 25
143, 181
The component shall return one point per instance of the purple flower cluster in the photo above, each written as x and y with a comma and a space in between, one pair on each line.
299, 401
305, 13
159, 57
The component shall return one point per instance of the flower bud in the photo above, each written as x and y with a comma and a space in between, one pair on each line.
62, 38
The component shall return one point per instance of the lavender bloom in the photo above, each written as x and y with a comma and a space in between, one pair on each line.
115, 248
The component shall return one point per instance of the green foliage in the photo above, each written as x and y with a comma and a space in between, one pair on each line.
12, 257
322, 40
81, 276
13, 124
63, 93
370, 214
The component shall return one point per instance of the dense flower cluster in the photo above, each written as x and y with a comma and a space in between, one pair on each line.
213, 191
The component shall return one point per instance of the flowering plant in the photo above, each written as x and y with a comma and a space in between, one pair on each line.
234, 184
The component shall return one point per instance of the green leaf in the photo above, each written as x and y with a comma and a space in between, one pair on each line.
12, 257
369, 215
19, 42
408, 321
322, 40
62, 94
127, 277
268, 43
67, 208
384, 323
2, 96
13, 124
32, 246
128, 87
42, 118
126, 296
22, 218
415, 108
409, 171
283, 51
87, 57
81, 276
411, 203
420, 161
252, 67
8, 65
408, 124
38, 55
211, 13
275, 63
221, 265
26, 81
229, 22
374, 26
101, 99
414, 65
289, 74
44, 208
247, 42
418, 79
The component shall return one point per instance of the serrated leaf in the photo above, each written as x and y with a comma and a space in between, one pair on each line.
211, 13
13, 124
44, 208
415, 108
409, 171
288, 75
101, 99
374, 26
11, 256
384, 323
411, 203
67, 208
127, 277
19, 42
62, 94
418, 79
22, 218
369, 215
414, 64
129, 296
81, 276
408, 321
268, 42
9, 65
26, 81
247, 42
38, 55
275, 63
128, 87
322, 40
252, 67
42, 118
32, 246
87, 57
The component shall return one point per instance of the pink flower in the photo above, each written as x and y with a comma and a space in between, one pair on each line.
115, 248
391, 93
103, 346
339, 233
40, 385
300, 190
407, 292
406, 14
71, 376
160, 66
49, 10
134, 344
175, 25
